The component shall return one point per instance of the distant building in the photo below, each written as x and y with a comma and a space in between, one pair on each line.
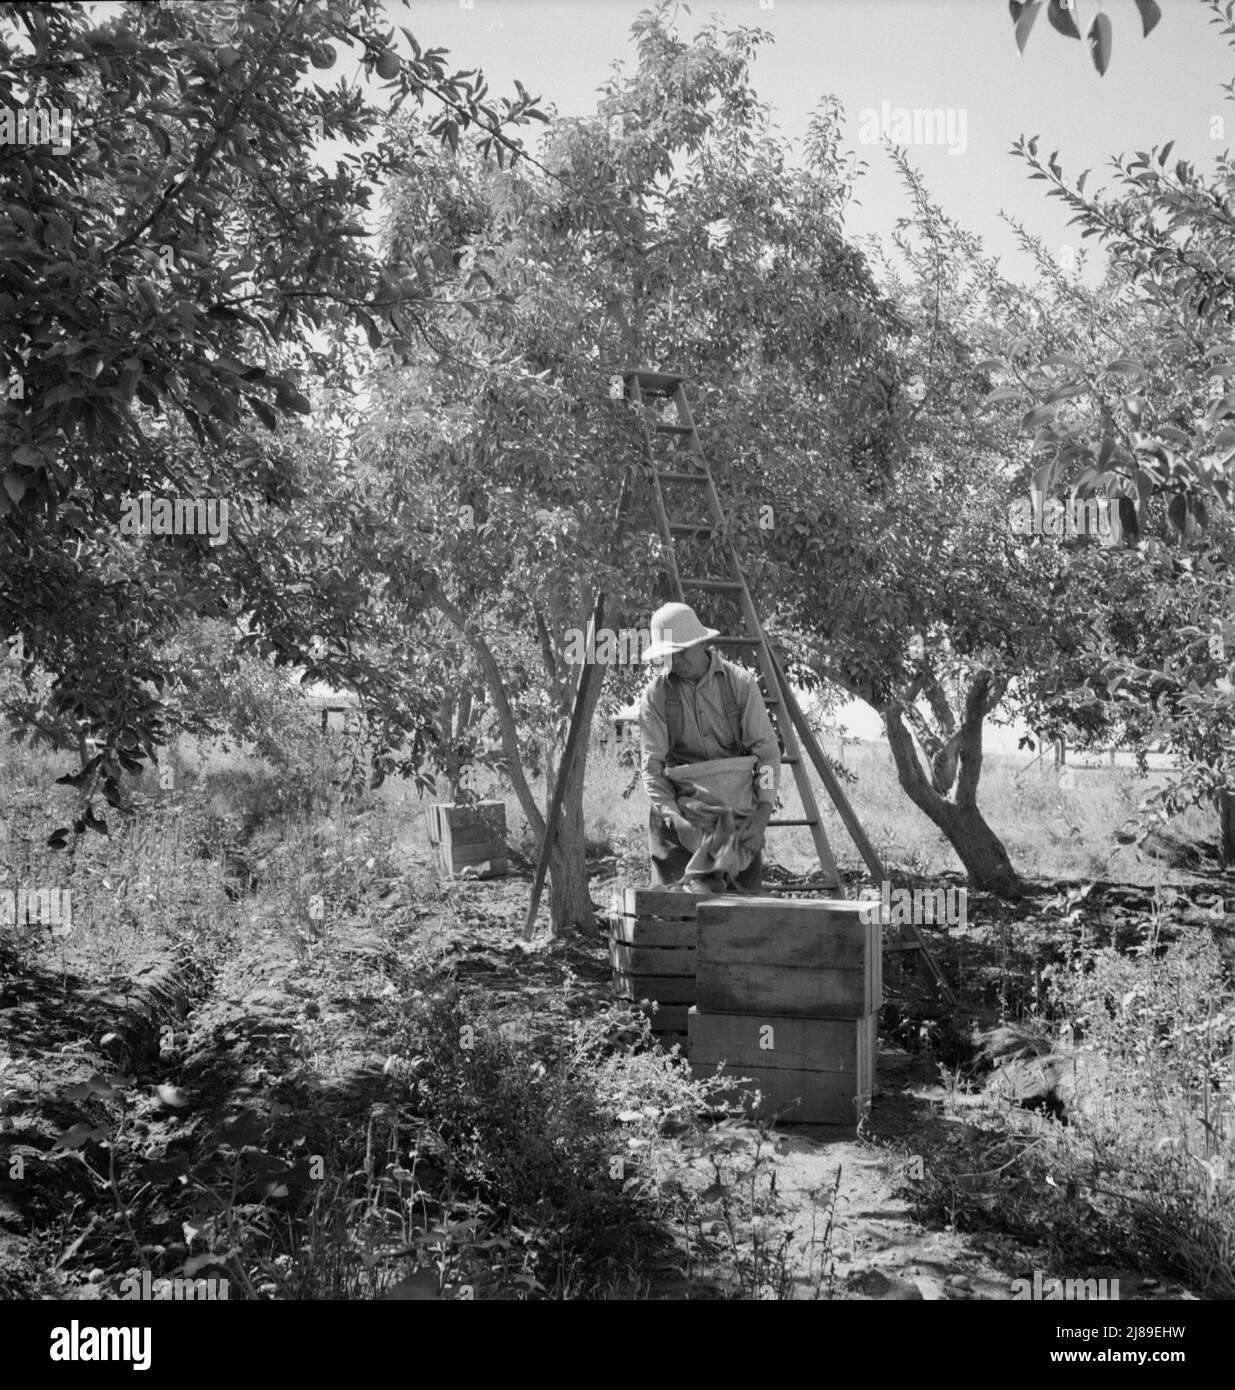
625, 724
619, 730
335, 707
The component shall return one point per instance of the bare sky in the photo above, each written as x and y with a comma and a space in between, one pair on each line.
950, 54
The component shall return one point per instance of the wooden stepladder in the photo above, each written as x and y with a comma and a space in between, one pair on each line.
676, 466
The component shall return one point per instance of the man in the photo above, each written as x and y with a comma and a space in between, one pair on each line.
698, 709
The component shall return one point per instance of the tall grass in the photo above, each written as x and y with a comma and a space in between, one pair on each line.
1049, 830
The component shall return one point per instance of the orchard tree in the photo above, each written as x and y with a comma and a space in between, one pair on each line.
1152, 418
1045, 621
670, 230
920, 600
166, 271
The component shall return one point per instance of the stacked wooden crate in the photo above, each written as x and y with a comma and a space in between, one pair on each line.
652, 952
470, 835
787, 993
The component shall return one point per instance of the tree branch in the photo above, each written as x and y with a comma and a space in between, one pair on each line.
505, 715
971, 740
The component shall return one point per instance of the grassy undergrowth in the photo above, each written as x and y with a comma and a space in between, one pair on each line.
1053, 825
1141, 1170
268, 1070
267, 1076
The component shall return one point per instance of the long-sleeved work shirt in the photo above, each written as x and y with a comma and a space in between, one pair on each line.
706, 731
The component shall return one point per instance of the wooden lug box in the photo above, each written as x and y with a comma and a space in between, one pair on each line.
816, 1070
788, 959
470, 835
652, 952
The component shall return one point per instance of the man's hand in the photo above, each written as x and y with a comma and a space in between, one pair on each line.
693, 812
752, 834
688, 833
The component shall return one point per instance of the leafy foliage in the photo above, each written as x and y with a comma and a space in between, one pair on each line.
166, 270
668, 228
1062, 16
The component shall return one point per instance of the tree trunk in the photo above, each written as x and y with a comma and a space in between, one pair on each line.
570, 899
980, 850
570, 903
941, 751
463, 718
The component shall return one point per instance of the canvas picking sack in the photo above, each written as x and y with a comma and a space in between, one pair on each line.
731, 780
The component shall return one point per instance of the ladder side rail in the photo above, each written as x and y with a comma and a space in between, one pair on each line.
775, 679
829, 778
793, 752
658, 496
772, 685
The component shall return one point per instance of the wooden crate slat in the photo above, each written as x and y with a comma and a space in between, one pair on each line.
868, 1050
764, 1042
658, 902
491, 813
792, 946
877, 961
730, 988
489, 865
668, 989
469, 854
826, 1098
871, 958
472, 854
653, 931
475, 835
652, 960
673, 902
814, 936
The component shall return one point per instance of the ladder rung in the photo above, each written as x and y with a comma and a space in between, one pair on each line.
714, 586
737, 641
683, 477
793, 822
684, 528
674, 429
785, 760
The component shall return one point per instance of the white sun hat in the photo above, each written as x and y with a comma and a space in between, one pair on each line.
674, 628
